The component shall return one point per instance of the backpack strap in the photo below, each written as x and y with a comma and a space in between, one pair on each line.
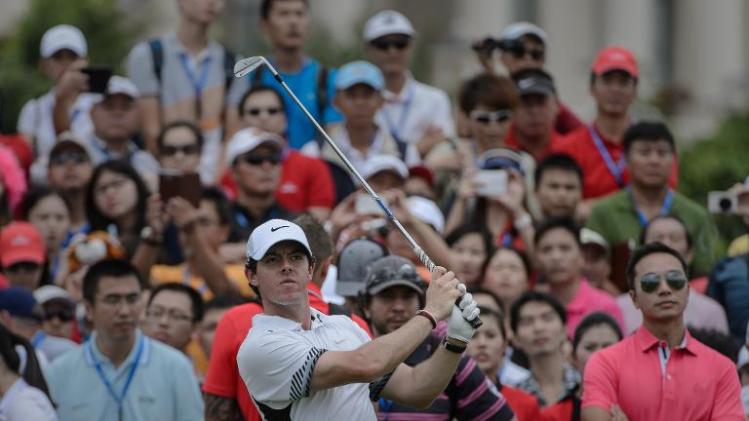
229, 59
322, 90
335, 309
157, 57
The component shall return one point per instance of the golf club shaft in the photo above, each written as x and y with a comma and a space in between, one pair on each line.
423, 257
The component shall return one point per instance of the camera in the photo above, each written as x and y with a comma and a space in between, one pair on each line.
487, 44
722, 202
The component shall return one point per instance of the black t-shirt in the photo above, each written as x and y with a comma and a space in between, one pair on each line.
242, 222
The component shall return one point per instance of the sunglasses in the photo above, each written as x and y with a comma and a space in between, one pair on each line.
536, 54
22, 267
257, 111
256, 160
651, 281
65, 157
168, 150
385, 44
486, 117
62, 313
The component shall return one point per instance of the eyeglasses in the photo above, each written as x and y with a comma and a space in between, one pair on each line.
271, 111
257, 160
115, 184
65, 157
385, 44
26, 267
62, 313
172, 314
169, 150
486, 117
675, 279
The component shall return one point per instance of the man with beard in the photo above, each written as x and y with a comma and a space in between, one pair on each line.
393, 295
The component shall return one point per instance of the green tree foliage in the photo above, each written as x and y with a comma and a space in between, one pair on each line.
108, 33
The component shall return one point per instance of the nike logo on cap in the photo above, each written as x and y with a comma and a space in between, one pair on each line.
278, 228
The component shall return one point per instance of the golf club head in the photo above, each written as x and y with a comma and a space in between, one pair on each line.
245, 66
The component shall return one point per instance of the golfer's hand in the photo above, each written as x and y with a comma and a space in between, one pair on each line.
442, 293
459, 326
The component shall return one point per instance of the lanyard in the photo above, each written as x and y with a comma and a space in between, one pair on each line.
668, 201
385, 406
615, 168
38, 338
198, 83
397, 131
110, 388
506, 239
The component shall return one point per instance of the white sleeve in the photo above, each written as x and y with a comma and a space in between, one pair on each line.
140, 70
443, 115
27, 119
412, 156
32, 404
277, 367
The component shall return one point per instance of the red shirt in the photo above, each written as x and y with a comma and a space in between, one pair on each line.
222, 378
512, 142
566, 121
587, 300
692, 383
598, 179
305, 183
563, 410
523, 404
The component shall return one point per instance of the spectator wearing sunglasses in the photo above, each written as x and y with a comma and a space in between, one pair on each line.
180, 144
58, 312
414, 112
661, 371
255, 161
702, 312
69, 171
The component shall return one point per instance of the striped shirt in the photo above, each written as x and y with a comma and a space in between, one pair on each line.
470, 395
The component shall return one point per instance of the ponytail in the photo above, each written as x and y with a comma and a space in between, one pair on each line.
12, 348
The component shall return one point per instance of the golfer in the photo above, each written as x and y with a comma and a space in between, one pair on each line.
300, 364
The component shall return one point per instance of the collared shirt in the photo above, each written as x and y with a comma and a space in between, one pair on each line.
143, 162
415, 109
163, 387
23, 402
617, 220
697, 383
382, 144
702, 312
570, 382
587, 300
598, 180
278, 357
52, 346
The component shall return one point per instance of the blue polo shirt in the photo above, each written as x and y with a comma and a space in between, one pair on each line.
304, 84
163, 385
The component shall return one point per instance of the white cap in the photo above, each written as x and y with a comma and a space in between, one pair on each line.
387, 22
517, 30
248, 139
588, 236
271, 233
123, 86
427, 212
51, 292
63, 37
379, 163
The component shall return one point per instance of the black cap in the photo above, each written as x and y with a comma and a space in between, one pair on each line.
534, 81
391, 271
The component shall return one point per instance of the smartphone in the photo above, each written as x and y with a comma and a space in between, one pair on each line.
491, 183
722, 202
365, 205
186, 186
98, 78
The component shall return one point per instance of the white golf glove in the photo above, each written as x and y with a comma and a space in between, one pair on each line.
459, 326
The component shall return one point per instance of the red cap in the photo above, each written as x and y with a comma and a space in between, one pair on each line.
615, 58
422, 172
21, 242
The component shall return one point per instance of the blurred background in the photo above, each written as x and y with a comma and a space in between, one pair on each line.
693, 54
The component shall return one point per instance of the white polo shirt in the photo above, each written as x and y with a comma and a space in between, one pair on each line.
276, 361
411, 112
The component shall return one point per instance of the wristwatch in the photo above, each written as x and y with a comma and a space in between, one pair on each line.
453, 347
148, 236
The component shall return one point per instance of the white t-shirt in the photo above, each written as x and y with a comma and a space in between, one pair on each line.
23, 402
417, 107
276, 361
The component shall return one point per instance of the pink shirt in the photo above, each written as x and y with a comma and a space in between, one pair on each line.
587, 300
691, 382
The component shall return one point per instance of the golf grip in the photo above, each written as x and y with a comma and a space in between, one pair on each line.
421, 254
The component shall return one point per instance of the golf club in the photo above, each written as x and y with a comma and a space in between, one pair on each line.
247, 65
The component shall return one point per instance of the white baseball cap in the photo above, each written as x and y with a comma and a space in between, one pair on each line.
387, 22
271, 233
123, 86
379, 163
51, 292
248, 139
63, 37
517, 30
427, 212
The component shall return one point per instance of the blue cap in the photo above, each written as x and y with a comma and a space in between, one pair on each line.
360, 71
19, 302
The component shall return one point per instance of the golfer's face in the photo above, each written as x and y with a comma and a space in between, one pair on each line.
283, 273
